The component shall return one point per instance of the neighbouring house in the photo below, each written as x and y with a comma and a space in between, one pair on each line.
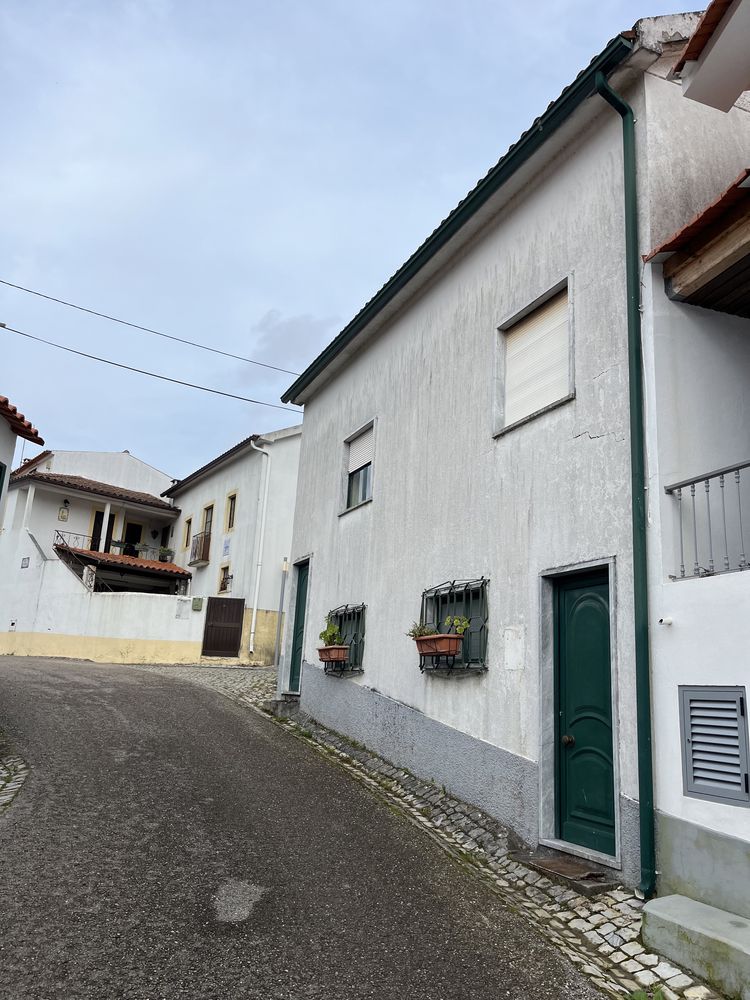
13, 425
474, 446
234, 534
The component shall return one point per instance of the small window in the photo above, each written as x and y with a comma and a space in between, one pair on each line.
359, 464
231, 508
536, 369
713, 727
188, 533
225, 580
3, 470
350, 619
458, 599
208, 519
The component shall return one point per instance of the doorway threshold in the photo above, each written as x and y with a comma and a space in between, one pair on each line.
586, 877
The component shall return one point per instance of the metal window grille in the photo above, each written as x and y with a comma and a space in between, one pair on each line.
463, 599
713, 727
350, 619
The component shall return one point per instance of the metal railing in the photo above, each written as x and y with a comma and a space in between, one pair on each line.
141, 550
461, 598
200, 548
86, 573
712, 511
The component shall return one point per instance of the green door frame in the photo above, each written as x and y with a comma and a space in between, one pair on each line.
592, 721
298, 626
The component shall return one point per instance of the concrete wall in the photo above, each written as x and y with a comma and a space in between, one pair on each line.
452, 501
118, 468
7, 447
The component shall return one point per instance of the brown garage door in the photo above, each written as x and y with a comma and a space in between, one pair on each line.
223, 632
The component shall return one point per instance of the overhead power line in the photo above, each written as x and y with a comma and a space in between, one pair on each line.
146, 329
141, 371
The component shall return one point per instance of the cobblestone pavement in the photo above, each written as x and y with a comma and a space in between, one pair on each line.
13, 771
600, 934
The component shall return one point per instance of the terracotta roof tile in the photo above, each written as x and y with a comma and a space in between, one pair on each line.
712, 17
133, 562
92, 486
18, 422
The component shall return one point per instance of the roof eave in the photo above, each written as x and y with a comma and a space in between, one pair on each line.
558, 112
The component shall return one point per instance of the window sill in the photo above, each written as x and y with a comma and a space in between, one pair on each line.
355, 507
534, 415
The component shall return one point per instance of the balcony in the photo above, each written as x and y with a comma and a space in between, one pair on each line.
712, 511
200, 549
90, 543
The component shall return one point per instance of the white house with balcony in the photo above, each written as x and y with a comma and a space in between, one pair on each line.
491, 439
234, 535
13, 425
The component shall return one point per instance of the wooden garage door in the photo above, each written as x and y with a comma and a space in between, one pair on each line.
223, 632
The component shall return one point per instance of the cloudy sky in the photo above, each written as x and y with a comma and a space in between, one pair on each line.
241, 174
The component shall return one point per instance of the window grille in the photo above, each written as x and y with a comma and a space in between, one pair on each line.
350, 619
713, 726
462, 599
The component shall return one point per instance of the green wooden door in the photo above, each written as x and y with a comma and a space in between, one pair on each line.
585, 770
298, 634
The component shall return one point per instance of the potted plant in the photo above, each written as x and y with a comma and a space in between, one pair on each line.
333, 649
430, 642
116, 543
165, 554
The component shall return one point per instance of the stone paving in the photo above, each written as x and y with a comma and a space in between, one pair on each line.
13, 772
600, 934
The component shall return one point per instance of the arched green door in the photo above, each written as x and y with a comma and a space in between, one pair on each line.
585, 768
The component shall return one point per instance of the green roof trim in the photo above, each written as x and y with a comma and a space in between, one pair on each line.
530, 141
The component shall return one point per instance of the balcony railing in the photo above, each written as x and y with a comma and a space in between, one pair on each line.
200, 548
73, 540
712, 511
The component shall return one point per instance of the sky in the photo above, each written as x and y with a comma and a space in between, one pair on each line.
244, 175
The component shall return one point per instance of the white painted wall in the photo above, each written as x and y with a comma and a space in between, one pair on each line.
697, 364
118, 468
243, 475
7, 447
450, 501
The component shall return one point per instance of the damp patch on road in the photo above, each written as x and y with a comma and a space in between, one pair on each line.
234, 900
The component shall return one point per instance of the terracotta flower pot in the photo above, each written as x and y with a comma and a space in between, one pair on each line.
333, 654
440, 644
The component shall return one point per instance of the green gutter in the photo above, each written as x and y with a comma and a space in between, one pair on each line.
637, 490
556, 114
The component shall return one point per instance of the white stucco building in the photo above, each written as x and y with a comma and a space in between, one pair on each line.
234, 534
474, 444
13, 425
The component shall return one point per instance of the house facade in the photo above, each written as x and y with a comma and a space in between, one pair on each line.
234, 533
470, 451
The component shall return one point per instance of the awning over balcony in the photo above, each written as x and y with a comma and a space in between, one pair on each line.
707, 262
117, 572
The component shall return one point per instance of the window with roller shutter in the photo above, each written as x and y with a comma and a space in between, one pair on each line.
713, 726
536, 361
359, 467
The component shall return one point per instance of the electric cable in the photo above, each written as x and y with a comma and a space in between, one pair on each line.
141, 371
146, 329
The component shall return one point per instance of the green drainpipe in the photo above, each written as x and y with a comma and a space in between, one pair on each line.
638, 491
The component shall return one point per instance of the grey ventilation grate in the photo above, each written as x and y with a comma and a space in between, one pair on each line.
713, 726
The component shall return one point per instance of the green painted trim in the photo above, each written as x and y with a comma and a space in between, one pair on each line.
637, 490
533, 139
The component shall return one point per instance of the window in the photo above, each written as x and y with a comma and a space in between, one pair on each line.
350, 619
359, 467
3, 470
188, 532
461, 599
225, 580
208, 519
713, 727
535, 361
231, 508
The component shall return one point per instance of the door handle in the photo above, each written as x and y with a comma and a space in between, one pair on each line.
568, 741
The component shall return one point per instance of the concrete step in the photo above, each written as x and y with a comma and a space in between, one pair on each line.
586, 877
712, 943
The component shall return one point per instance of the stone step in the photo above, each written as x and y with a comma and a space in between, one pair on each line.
586, 877
712, 943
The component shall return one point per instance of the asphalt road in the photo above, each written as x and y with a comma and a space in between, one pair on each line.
169, 844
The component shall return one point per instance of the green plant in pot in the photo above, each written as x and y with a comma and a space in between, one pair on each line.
333, 650
430, 642
165, 554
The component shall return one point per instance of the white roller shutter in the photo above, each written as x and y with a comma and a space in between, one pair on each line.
360, 450
537, 360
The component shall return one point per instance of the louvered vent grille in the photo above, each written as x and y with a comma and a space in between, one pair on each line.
714, 737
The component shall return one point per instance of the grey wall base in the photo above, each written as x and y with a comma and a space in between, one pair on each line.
712, 943
699, 863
